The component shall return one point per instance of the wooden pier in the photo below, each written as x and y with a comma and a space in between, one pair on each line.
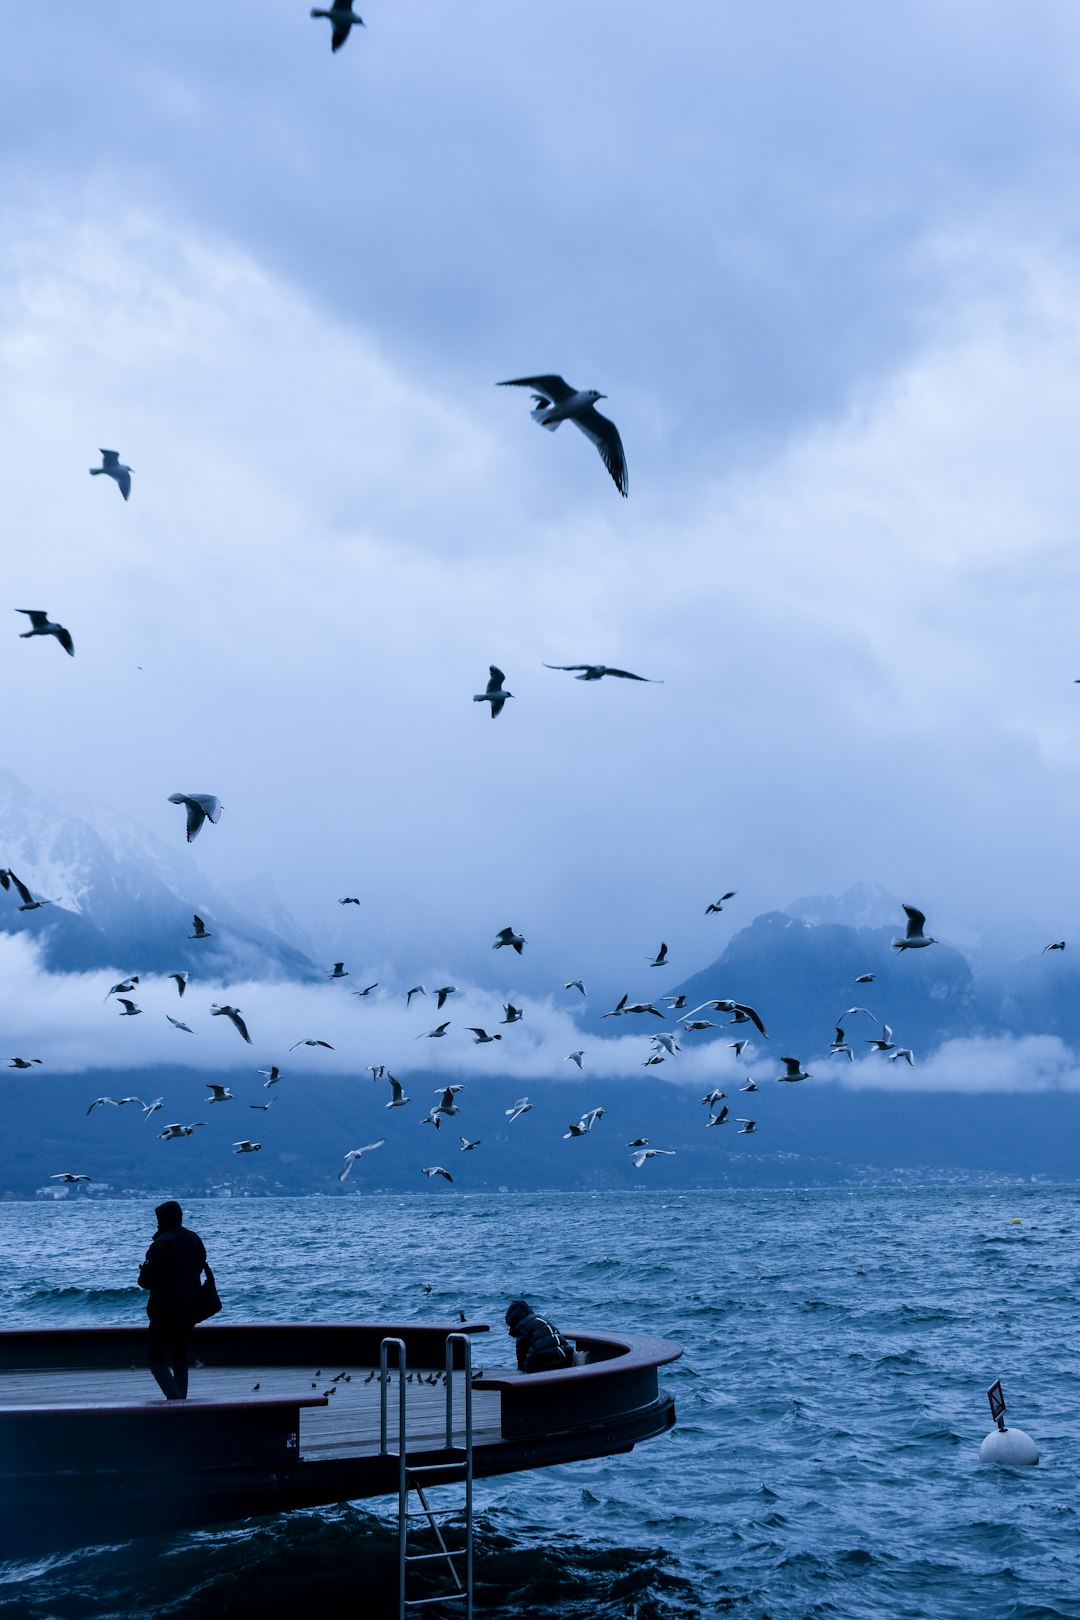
281, 1417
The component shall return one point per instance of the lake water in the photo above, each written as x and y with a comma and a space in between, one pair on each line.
831, 1400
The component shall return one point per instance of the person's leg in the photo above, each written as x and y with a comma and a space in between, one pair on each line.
181, 1355
158, 1354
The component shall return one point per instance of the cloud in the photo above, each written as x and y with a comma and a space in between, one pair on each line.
862, 639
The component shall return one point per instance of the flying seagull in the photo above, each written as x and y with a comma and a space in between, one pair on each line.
466, 1145
441, 994
884, 1042
718, 905
248, 1147
368, 988
522, 1106
596, 672
661, 957
357, 1153
493, 693
235, 1019
220, 1093
180, 980
643, 1154
575, 984
506, 936
200, 807
130, 1009
417, 990
514, 1014
584, 1124
482, 1036
914, 939
436, 1170
23, 1063
178, 1023
1057, 945
124, 988
866, 978
341, 19
113, 467
793, 1070
575, 1057
308, 1041
338, 971
556, 401
172, 1133
69, 1176
42, 625
446, 1103
398, 1098
201, 930
349, 900
272, 1074
749, 1126
435, 1034
741, 1013
718, 1119
26, 899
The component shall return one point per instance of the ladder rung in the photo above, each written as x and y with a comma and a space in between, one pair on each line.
448, 1597
435, 1513
446, 1552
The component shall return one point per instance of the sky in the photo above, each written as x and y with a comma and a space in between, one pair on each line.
823, 262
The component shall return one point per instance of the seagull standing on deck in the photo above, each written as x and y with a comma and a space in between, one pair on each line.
341, 19
556, 401
493, 693
113, 467
42, 625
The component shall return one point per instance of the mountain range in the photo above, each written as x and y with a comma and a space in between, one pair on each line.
119, 896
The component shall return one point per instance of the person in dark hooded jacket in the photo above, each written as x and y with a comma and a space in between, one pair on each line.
540, 1346
172, 1271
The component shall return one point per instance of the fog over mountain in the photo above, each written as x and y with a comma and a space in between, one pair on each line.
121, 903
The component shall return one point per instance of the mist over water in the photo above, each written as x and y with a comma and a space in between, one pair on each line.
831, 1399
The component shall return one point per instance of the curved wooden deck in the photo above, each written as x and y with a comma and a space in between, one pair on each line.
280, 1417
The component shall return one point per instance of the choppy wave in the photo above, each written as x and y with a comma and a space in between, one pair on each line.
831, 1403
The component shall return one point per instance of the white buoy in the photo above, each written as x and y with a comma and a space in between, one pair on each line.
1011, 1448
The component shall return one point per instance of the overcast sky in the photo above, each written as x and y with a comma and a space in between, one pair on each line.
824, 264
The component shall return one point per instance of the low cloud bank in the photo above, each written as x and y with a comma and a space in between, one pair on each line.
71, 1023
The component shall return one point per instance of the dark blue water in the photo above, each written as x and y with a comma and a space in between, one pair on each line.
831, 1400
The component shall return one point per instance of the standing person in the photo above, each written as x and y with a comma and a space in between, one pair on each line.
172, 1271
540, 1346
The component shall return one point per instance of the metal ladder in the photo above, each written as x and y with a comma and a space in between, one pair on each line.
452, 1465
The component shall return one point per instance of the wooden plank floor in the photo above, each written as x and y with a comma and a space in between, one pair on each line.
347, 1426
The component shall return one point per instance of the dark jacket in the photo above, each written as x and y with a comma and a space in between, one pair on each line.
172, 1271
540, 1346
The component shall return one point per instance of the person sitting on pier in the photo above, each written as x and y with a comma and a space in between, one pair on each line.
540, 1346
172, 1271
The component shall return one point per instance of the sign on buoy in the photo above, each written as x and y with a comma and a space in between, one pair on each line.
1011, 1447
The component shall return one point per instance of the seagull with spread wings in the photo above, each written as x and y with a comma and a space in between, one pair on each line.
596, 672
357, 1153
235, 1019
916, 936
200, 807
341, 19
494, 692
555, 401
42, 625
114, 468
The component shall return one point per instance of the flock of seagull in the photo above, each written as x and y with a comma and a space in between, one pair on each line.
554, 401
